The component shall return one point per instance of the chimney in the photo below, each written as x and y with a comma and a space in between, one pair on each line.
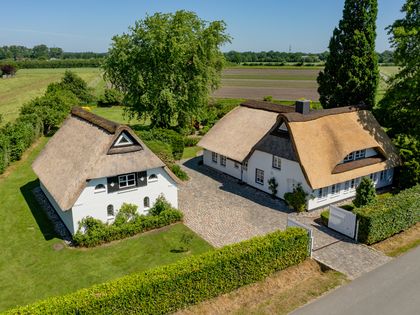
302, 107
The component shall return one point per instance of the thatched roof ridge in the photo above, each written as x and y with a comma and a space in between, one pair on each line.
96, 120
267, 106
294, 116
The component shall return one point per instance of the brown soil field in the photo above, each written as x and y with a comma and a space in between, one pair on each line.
260, 92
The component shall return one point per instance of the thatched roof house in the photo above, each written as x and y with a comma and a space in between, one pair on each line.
89, 147
318, 140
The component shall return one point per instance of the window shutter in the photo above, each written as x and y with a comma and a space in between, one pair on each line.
141, 179
112, 183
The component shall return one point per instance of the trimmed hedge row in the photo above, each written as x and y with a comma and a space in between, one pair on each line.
58, 63
386, 217
189, 281
99, 233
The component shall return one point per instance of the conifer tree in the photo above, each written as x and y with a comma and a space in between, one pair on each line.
350, 76
365, 193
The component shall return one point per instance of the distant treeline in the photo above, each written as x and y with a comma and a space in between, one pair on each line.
284, 57
43, 52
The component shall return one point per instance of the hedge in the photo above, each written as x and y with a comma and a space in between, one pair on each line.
189, 281
58, 63
389, 216
174, 139
99, 233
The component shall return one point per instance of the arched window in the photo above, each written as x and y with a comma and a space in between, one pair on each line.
110, 211
99, 187
153, 178
146, 202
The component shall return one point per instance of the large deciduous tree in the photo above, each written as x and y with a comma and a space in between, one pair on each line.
351, 72
399, 110
166, 65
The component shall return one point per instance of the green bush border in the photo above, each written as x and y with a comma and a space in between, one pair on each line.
386, 217
189, 281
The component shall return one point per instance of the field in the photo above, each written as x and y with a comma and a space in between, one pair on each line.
286, 83
33, 265
30, 83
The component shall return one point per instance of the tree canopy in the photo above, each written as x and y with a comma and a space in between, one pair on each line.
166, 65
350, 76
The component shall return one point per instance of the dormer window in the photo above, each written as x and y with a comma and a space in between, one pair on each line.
356, 155
123, 140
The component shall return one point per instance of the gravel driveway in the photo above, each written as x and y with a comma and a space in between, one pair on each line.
222, 211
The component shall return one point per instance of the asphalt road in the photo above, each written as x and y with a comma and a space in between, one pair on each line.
392, 289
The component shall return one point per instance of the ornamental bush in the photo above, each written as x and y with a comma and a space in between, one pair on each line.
386, 217
111, 97
93, 232
171, 137
189, 281
297, 198
365, 193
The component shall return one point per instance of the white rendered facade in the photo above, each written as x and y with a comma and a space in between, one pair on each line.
289, 173
95, 200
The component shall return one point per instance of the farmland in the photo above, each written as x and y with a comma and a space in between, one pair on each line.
286, 83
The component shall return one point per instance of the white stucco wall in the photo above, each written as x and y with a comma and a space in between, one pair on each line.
66, 216
229, 169
94, 203
289, 175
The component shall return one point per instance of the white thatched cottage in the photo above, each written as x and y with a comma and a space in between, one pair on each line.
326, 151
91, 166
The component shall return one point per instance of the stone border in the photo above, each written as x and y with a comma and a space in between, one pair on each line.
52, 215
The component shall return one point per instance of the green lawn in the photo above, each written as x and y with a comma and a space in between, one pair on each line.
30, 83
31, 269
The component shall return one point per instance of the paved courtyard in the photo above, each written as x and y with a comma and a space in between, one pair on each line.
222, 211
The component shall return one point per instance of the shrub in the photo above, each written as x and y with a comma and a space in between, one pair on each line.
171, 137
272, 185
365, 193
110, 98
325, 216
4, 152
297, 198
191, 141
388, 216
268, 98
179, 172
8, 69
189, 281
128, 222
61, 63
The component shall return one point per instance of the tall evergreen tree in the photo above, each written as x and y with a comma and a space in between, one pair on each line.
351, 72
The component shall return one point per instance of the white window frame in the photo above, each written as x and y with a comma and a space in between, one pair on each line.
322, 193
360, 154
259, 176
373, 177
214, 157
353, 184
349, 157
335, 189
223, 160
122, 137
110, 216
346, 186
126, 181
276, 162
147, 198
152, 178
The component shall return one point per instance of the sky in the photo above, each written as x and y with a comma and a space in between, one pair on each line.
89, 25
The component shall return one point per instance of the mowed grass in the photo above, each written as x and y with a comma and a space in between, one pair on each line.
30, 268
30, 83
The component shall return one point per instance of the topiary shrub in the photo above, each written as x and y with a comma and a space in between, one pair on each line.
272, 185
365, 193
297, 198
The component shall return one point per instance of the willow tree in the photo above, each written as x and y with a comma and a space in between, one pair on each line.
167, 65
351, 74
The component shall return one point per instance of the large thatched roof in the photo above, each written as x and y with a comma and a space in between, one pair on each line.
82, 149
319, 140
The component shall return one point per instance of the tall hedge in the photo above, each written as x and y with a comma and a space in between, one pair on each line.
58, 63
386, 217
189, 281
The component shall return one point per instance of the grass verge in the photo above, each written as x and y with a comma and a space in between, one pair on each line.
280, 293
401, 242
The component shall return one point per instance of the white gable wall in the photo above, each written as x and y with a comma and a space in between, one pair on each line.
94, 203
229, 169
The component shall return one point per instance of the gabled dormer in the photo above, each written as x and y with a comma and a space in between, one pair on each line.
124, 142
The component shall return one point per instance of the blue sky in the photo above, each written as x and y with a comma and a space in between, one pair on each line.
76, 25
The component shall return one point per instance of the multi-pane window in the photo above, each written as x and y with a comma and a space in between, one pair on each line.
214, 157
276, 162
349, 157
353, 183
146, 202
346, 186
359, 154
223, 160
335, 189
373, 177
383, 175
110, 211
322, 193
128, 180
259, 176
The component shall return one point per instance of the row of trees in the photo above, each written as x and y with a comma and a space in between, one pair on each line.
281, 57
44, 52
